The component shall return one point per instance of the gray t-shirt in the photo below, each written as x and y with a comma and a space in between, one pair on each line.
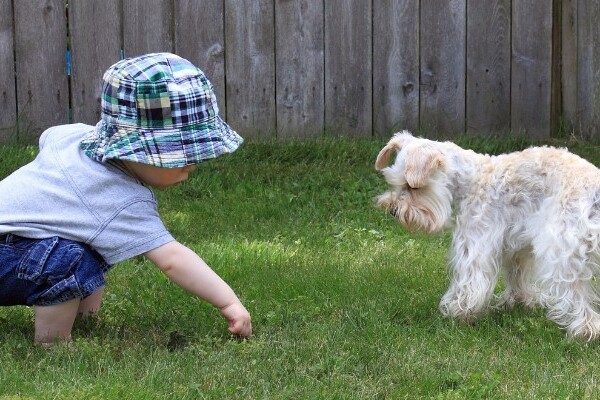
65, 193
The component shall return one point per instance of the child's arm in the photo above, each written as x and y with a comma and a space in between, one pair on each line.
190, 272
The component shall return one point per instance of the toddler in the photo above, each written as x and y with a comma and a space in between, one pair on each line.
84, 203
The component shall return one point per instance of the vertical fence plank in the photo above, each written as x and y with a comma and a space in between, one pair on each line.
588, 101
531, 68
488, 66
348, 67
42, 83
147, 27
8, 100
95, 28
568, 76
395, 66
555, 69
250, 66
199, 38
300, 67
443, 65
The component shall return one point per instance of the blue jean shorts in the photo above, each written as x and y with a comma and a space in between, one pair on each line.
48, 271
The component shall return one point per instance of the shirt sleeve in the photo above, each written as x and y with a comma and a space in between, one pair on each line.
133, 230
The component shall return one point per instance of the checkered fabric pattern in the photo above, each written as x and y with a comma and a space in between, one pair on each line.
159, 109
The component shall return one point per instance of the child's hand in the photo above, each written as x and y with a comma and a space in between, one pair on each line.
238, 318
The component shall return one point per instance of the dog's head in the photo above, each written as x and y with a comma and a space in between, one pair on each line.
418, 197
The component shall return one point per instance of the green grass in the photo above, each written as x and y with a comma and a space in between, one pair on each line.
344, 302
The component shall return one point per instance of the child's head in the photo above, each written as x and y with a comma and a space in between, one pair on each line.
160, 110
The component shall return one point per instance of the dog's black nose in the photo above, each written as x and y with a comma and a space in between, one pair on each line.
394, 211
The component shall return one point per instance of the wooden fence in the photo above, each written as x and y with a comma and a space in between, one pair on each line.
302, 67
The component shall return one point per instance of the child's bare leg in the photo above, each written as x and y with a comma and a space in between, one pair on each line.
55, 322
91, 304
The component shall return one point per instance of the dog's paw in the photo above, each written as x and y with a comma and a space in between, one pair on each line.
586, 327
505, 301
454, 309
509, 299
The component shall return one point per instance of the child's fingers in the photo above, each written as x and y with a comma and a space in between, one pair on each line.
241, 328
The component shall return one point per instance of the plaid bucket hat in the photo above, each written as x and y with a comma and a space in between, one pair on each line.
161, 110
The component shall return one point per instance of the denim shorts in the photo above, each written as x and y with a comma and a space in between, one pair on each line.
47, 271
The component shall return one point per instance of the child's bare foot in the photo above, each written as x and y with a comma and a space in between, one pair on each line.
67, 342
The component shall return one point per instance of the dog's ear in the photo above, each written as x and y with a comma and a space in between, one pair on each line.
421, 162
394, 145
383, 158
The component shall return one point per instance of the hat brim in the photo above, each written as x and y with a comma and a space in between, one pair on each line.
168, 148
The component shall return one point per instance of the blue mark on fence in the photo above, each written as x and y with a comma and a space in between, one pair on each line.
68, 62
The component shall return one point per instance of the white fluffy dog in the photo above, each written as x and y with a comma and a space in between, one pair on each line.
533, 216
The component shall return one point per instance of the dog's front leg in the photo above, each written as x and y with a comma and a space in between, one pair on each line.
474, 271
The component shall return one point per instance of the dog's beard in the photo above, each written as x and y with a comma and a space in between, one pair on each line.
426, 209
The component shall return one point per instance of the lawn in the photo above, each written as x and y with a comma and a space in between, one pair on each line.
343, 300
